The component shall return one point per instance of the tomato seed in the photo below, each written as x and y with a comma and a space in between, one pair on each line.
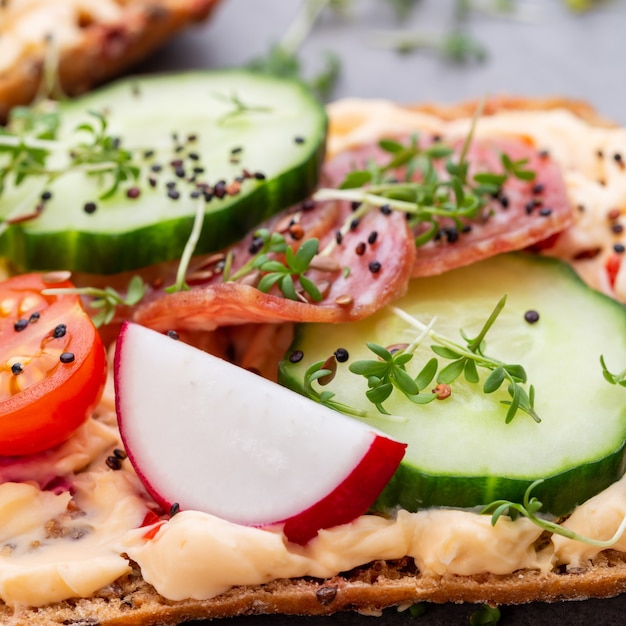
20, 325
59, 331
114, 463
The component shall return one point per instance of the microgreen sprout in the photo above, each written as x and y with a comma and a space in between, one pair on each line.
275, 272
325, 397
465, 360
529, 508
388, 372
106, 300
434, 188
190, 246
105, 154
31, 137
614, 379
238, 107
282, 274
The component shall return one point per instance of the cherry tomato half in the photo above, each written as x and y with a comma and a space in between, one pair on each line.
52, 365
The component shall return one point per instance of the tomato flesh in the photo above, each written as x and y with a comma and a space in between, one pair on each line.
52, 365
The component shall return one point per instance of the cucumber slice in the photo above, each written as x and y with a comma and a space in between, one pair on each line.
460, 450
237, 121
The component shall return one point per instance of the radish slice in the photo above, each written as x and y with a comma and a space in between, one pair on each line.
210, 436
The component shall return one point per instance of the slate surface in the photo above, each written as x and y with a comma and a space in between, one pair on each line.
543, 50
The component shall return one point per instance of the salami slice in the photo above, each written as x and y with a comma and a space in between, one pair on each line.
522, 214
357, 272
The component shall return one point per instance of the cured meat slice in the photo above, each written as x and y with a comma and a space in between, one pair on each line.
369, 256
521, 215
368, 268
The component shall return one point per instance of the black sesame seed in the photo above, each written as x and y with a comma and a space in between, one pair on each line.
341, 354
296, 356
156, 167
538, 188
152, 181
114, 462
148, 154
355, 205
386, 209
20, 325
467, 228
354, 224
16, 368
90, 207
236, 150
196, 193
256, 245
259, 175
120, 454
180, 172
339, 237
173, 194
172, 334
360, 249
373, 236
530, 207
452, 234
194, 156
299, 139
46, 195
34, 317
170, 184
59, 331
619, 248
531, 316
175, 508
208, 196
374, 267
545, 211
504, 201
219, 191
617, 157
198, 170
617, 228
67, 357
192, 138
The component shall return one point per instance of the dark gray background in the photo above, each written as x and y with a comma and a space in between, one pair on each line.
543, 50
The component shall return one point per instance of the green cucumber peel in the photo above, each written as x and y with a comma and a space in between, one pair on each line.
108, 182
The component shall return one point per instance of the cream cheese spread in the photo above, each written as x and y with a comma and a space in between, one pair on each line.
68, 520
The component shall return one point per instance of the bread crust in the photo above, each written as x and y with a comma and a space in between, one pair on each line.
102, 50
501, 103
370, 588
